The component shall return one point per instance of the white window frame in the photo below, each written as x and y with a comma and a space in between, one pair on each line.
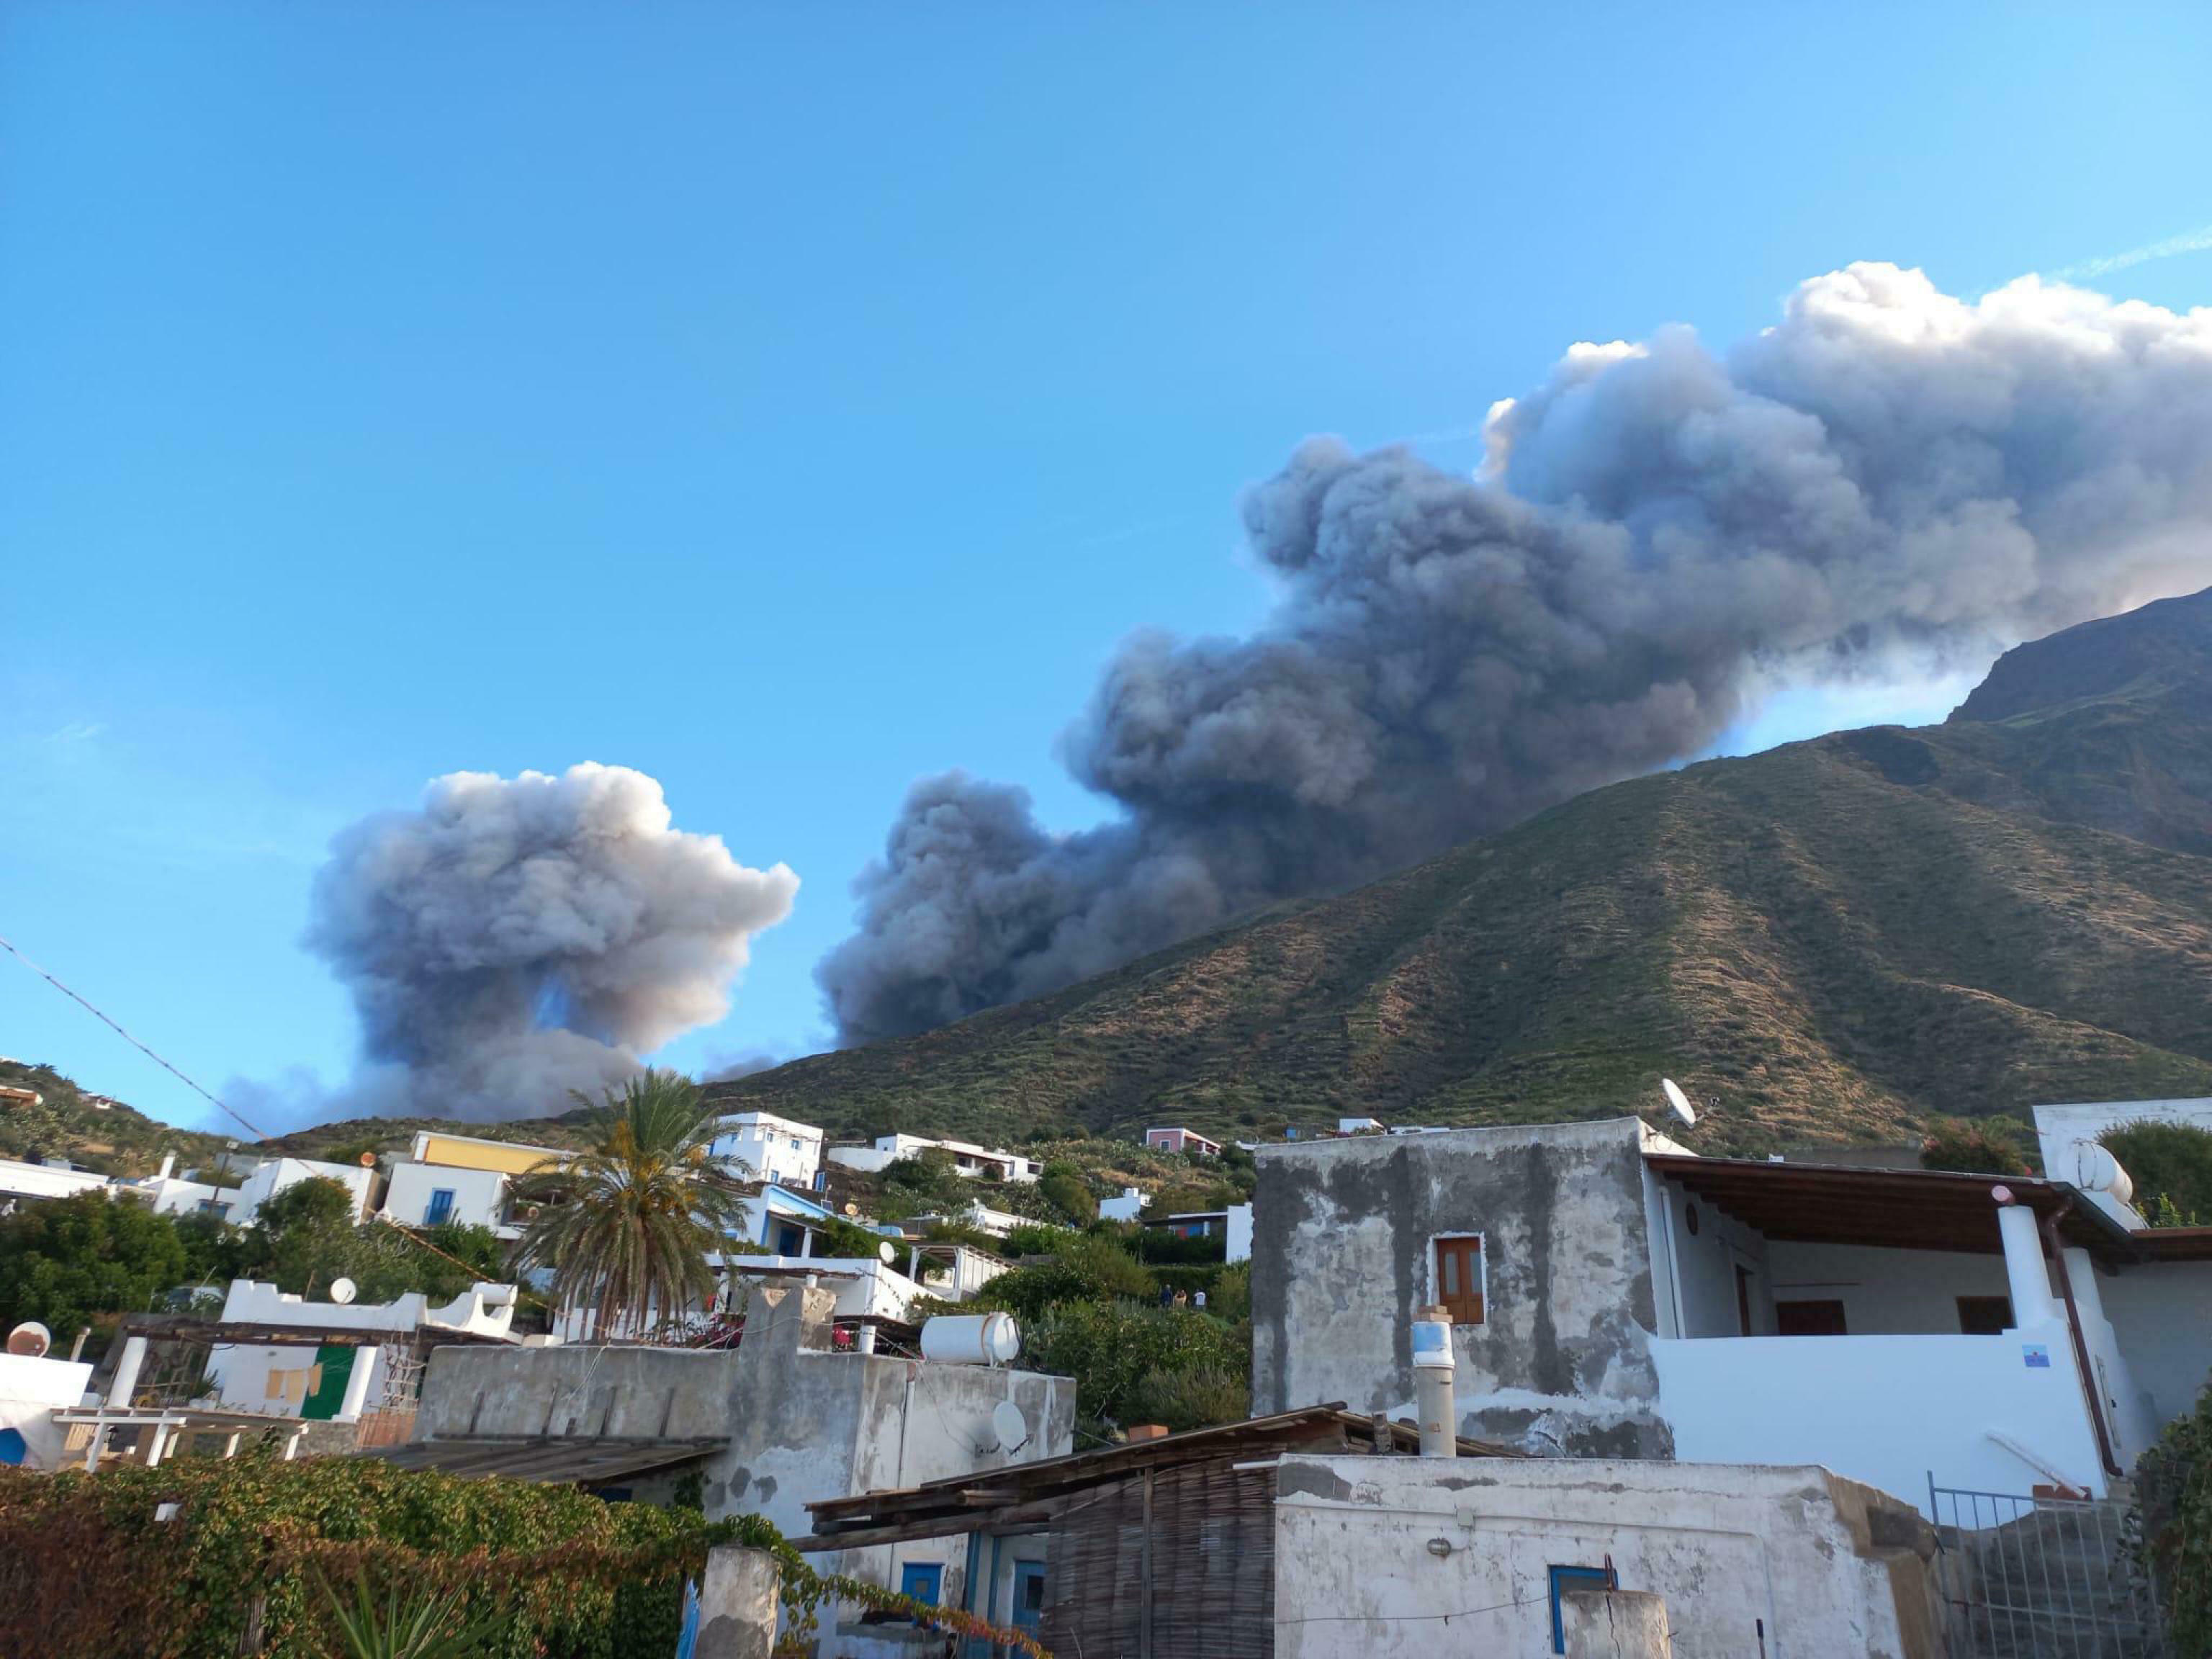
1434, 1278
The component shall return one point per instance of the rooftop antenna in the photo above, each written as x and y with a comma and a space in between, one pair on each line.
342, 1291
1679, 1101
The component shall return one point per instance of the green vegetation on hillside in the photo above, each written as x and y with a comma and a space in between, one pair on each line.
1836, 940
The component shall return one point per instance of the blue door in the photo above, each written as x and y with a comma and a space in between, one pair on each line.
921, 1581
1029, 1596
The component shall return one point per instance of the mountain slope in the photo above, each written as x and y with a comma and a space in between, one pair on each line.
1829, 940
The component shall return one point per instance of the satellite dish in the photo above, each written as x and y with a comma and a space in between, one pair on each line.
344, 1290
1678, 1100
1010, 1425
852, 1209
369, 1160
888, 1252
30, 1341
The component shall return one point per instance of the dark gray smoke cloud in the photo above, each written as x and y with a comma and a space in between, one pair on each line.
1891, 478
518, 937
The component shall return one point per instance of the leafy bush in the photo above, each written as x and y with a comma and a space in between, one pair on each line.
931, 1173
65, 1262
2171, 1162
1195, 1399
1230, 1297
1115, 1349
2173, 1506
1157, 1245
1987, 1145
1035, 1238
87, 1570
1086, 1269
1064, 1187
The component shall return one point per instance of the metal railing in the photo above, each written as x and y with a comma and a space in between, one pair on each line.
2028, 1577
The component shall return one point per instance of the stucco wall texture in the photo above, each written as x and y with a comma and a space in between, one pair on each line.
1379, 1557
802, 1421
1342, 1255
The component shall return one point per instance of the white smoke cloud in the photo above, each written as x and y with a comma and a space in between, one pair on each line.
518, 937
1891, 481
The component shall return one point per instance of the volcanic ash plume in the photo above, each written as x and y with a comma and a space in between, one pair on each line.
1891, 479
518, 938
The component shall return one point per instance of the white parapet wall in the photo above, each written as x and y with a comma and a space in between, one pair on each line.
1995, 1414
1410, 1557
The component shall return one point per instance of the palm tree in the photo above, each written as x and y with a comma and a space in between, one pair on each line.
636, 1218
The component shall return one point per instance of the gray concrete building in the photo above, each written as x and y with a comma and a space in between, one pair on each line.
1536, 1235
780, 1420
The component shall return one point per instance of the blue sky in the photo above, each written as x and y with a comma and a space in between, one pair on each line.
790, 402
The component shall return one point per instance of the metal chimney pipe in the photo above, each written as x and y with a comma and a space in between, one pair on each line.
1433, 1367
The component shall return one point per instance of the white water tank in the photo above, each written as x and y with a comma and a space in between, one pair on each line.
2096, 1171
991, 1338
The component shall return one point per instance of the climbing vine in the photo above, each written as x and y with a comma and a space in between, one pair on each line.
203, 1560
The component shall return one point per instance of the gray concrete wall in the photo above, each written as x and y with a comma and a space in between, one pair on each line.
802, 1421
1370, 1553
1342, 1258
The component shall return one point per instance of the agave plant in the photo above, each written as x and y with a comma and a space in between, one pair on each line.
406, 1623
630, 1224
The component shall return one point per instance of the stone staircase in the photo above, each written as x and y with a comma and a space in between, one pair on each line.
2054, 1583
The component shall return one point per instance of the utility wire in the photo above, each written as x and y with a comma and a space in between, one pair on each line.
258, 1133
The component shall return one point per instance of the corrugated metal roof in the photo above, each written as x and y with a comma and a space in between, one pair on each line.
557, 1460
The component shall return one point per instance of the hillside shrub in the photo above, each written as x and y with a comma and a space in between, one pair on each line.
1085, 1269
1062, 1186
931, 1173
1230, 1297
1198, 1398
1115, 1348
1986, 1145
87, 1570
1158, 1247
2171, 1165
1037, 1238
2173, 1525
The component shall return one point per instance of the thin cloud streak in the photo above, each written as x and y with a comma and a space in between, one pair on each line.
2190, 241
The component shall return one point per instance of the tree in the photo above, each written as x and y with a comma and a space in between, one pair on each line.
65, 1262
1062, 1186
633, 1220
2171, 1165
1130, 1360
931, 1173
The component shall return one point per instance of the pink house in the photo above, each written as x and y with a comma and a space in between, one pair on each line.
1182, 1140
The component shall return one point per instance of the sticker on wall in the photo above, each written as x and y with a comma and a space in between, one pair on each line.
2035, 1356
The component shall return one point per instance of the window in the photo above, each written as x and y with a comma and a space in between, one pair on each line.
790, 1240
1459, 1278
1810, 1318
921, 1580
1985, 1315
1575, 1578
441, 1209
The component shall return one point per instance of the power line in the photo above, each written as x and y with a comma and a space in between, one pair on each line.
258, 1133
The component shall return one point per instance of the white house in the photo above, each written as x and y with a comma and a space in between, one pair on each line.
336, 1380
58, 1179
1127, 1205
169, 1195
981, 1217
274, 1175
771, 1148
465, 1180
1359, 1126
1610, 1294
976, 1163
